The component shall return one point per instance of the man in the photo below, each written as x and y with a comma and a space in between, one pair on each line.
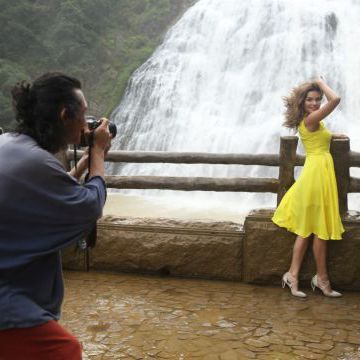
42, 210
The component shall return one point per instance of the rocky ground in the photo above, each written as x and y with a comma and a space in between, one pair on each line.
120, 316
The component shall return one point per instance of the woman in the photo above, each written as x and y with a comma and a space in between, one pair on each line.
310, 207
42, 210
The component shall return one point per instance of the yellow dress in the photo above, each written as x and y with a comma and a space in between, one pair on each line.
311, 205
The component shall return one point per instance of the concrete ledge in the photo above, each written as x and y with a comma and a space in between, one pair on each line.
176, 247
258, 253
268, 249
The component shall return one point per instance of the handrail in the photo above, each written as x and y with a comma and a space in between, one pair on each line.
286, 160
193, 158
193, 183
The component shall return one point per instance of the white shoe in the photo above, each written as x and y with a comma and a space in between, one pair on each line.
324, 286
292, 283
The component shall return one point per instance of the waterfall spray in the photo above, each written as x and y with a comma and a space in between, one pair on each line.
216, 83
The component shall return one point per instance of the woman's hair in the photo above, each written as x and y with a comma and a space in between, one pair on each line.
38, 107
294, 103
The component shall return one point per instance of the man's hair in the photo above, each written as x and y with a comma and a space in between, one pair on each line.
38, 107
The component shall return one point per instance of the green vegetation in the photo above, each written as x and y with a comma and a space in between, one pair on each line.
99, 41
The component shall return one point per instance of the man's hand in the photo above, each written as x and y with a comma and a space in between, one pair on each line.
102, 137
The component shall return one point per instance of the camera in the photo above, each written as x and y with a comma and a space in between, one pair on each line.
93, 123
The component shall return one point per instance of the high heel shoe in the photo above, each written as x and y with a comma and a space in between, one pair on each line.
324, 286
292, 283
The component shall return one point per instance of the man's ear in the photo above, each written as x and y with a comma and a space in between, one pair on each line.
63, 115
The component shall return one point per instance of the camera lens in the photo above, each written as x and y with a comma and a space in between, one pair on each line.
112, 129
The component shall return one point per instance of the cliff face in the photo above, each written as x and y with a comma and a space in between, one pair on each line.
100, 41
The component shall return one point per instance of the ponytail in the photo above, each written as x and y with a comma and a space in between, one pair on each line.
23, 103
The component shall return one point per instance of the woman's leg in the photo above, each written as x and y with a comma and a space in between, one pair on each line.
321, 279
291, 277
320, 254
299, 250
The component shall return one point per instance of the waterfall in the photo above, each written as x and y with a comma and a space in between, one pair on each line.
216, 83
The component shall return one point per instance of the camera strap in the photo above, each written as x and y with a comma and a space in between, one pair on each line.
75, 157
91, 236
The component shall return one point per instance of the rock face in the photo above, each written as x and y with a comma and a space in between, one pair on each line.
169, 247
268, 249
258, 253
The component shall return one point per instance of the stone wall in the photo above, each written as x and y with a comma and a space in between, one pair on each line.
268, 249
258, 253
170, 247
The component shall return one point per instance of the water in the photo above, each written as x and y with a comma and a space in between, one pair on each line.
216, 82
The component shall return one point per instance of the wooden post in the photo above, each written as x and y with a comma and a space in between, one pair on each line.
288, 146
340, 150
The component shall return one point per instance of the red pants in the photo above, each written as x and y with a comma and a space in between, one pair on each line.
49, 341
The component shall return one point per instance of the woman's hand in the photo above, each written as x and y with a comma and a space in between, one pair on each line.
320, 79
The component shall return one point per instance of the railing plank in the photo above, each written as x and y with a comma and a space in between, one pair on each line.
354, 185
193, 183
299, 160
193, 158
188, 158
354, 159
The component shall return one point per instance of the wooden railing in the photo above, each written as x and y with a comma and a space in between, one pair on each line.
286, 160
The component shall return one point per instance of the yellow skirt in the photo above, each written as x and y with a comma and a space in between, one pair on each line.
311, 205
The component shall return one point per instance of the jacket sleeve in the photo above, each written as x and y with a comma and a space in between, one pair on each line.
44, 209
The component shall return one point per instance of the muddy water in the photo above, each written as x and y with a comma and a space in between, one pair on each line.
139, 317
175, 208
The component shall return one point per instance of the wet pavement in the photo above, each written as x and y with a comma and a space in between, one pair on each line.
119, 316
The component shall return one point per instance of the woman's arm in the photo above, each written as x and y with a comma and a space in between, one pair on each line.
312, 120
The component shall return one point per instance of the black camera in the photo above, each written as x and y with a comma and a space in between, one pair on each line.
92, 123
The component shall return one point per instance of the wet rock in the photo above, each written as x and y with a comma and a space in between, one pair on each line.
245, 354
277, 243
294, 342
212, 357
306, 338
321, 346
173, 311
308, 354
261, 332
229, 355
257, 343
277, 349
273, 339
165, 246
353, 340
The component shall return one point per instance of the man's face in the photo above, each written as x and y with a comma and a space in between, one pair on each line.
74, 126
